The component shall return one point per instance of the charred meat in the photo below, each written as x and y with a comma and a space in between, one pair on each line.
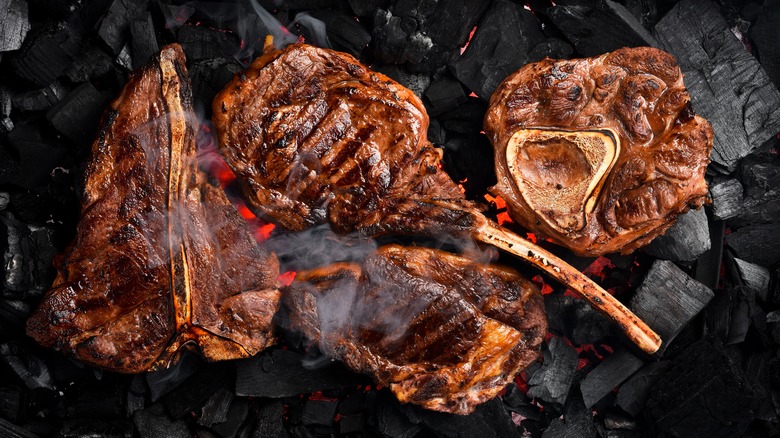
161, 258
440, 330
601, 154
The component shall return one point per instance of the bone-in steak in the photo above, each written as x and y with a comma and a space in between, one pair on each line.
439, 329
601, 154
161, 258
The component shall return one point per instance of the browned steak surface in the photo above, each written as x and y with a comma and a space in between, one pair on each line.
636, 93
314, 137
161, 258
440, 330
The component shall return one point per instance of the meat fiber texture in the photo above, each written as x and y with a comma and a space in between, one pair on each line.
637, 93
315, 137
440, 330
161, 260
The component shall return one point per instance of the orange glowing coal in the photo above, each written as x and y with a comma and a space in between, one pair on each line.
503, 216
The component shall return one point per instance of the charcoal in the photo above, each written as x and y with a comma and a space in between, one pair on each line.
91, 63
175, 15
196, 390
143, 39
764, 35
10, 430
576, 319
9, 166
152, 423
726, 198
759, 244
93, 401
465, 119
91, 427
633, 394
668, 299
501, 44
14, 24
610, 373
216, 408
46, 53
444, 94
136, 399
27, 366
551, 382
576, 422
424, 36
468, 159
597, 27
280, 373
77, 115
366, 8
39, 153
489, 419
709, 263
761, 178
351, 424
235, 420
686, 240
728, 315
436, 133
209, 77
6, 102
417, 82
555, 48
517, 402
125, 58
40, 99
756, 369
296, 4
754, 277
166, 380
27, 255
391, 421
269, 421
703, 394
114, 28
200, 42
727, 85
12, 403
344, 32
645, 11
319, 412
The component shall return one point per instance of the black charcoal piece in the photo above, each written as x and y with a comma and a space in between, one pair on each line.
703, 394
209, 77
6, 102
366, 8
754, 277
555, 48
597, 27
610, 373
633, 394
708, 265
505, 36
390, 421
576, 421
197, 389
166, 380
444, 94
77, 115
351, 424
647, 12
144, 41
319, 412
728, 315
46, 53
125, 59
424, 36
466, 118
92, 62
685, 241
216, 408
154, 423
41, 99
759, 244
200, 42
10, 430
727, 85
344, 32
14, 24
269, 423
668, 299
764, 35
39, 153
551, 381
27, 366
235, 420
490, 419
93, 401
12, 403
280, 373
115, 26
27, 254
726, 198
136, 399
175, 15
761, 179
576, 319
417, 82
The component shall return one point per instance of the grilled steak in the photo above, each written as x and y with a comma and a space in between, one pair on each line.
161, 258
600, 154
440, 330
314, 137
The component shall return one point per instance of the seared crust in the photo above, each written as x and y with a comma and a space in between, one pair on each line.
664, 147
440, 330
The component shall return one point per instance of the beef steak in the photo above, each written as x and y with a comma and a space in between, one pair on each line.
161, 258
440, 330
600, 154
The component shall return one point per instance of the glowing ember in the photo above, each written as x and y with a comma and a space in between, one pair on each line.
471, 35
502, 216
286, 278
545, 288
263, 232
599, 268
531, 237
